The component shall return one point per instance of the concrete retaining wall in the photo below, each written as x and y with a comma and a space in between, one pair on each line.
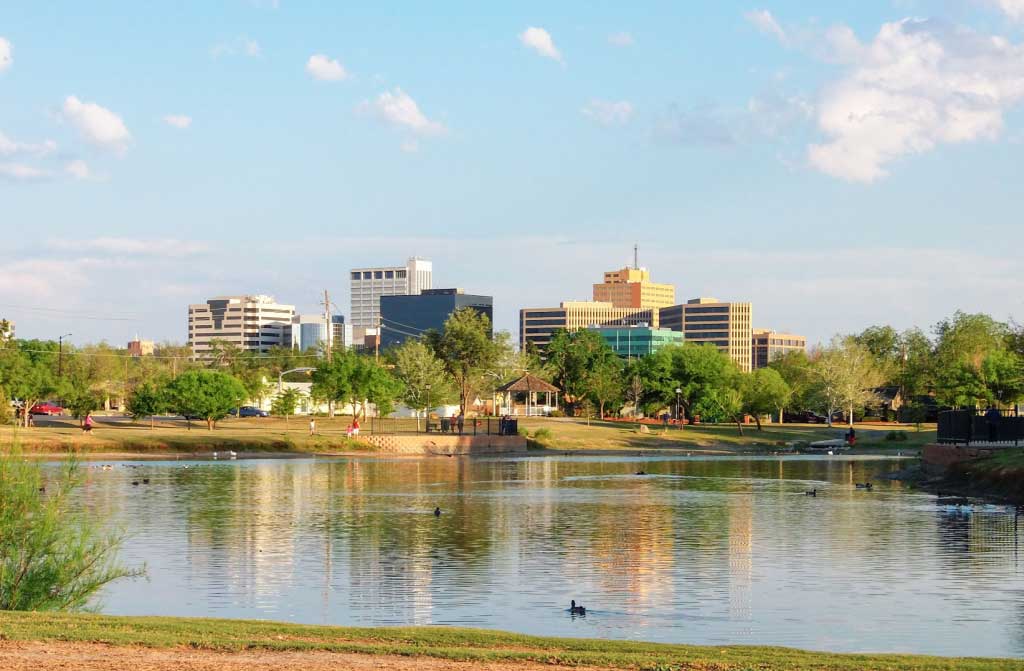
427, 445
935, 459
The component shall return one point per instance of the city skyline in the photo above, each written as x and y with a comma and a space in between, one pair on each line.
153, 157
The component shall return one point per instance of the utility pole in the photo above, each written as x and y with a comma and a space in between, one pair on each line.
60, 355
376, 342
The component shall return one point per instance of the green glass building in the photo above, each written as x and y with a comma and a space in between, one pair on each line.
636, 341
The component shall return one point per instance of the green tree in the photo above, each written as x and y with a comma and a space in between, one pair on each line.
885, 346
797, 371
846, 377
208, 394
27, 372
606, 383
52, 556
356, 380
424, 379
147, 400
1002, 373
701, 372
285, 402
466, 349
764, 392
580, 362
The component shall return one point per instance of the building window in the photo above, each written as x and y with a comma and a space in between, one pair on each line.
377, 274
400, 274
389, 274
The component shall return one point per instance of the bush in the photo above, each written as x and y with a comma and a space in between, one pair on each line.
556, 413
542, 434
523, 432
51, 556
896, 436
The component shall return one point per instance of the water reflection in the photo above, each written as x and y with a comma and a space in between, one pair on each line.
700, 550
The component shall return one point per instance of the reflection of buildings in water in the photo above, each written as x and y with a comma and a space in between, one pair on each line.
741, 524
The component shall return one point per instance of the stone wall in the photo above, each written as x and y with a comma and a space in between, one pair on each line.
427, 445
935, 459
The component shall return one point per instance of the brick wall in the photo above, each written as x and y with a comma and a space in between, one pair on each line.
444, 445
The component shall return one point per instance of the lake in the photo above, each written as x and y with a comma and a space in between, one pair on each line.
701, 550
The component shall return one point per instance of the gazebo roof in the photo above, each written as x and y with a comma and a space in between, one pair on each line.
529, 383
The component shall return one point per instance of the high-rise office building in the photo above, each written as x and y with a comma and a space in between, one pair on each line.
633, 288
403, 317
768, 345
709, 320
254, 323
637, 341
537, 325
309, 332
369, 284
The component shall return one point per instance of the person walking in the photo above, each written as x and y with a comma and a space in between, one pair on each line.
312, 426
87, 423
461, 421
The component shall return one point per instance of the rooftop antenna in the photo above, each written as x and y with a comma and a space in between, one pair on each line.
636, 261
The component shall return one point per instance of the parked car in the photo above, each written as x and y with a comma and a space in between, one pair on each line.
46, 408
249, 411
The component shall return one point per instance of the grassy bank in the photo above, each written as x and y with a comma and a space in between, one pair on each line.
450, 643
1000, 476
118, 435
576, 434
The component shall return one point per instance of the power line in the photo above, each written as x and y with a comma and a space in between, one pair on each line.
157, 356
70, 313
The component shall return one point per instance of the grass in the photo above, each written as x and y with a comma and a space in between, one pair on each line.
453, 643
578, 434
1000, 476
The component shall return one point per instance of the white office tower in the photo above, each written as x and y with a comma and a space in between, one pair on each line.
254, 323
369, 284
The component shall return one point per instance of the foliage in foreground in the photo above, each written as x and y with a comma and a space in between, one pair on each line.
51, 556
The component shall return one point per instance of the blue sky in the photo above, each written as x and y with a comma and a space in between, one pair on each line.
838, 165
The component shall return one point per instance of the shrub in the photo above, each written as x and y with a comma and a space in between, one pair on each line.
523, 432
556, 413
542, 434
51, 556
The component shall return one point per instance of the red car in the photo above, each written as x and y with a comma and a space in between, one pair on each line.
46, 408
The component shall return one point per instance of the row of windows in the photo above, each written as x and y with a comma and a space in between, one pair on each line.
378, 274
690, 335
544, 322
722, 309
706, 318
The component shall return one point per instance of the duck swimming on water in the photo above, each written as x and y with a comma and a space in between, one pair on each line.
437, 512
576, 610
864, 485
813, 492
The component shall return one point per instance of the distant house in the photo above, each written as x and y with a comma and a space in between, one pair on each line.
887, 404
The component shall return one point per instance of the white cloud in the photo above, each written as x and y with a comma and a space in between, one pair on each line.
178, 120
97, 124
609, 112
164, 247
540, 41
1012, 8
326, 69
398, 109
9, 147
622, 39
78, 169
19, 172
919, 84
763, 20
6, 54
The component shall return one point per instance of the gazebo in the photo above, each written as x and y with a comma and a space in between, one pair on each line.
531, 386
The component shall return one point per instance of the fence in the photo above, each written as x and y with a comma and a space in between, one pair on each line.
475, 426
981, 426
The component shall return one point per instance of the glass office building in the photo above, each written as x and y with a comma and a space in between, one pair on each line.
636, 341
403, 317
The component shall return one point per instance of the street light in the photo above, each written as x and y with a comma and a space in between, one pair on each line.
426, 411
60, 354
679, 393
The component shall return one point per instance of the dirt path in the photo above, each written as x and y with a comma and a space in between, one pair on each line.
36, 656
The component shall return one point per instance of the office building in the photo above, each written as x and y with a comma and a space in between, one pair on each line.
636, 341
403, 317
309, 332
537, 325
340, 332
632, 288
768, 345
255, 323
141, 347
709, 320
369, 284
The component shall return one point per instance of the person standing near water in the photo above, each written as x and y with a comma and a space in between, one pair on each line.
312, 426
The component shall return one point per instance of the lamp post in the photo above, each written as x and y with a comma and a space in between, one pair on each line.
60, 354
679, 393
426, 411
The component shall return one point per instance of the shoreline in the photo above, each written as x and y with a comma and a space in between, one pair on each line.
93, 642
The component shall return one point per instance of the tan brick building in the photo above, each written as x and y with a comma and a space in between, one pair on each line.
632, 288
769, 345
537, 325
709, 320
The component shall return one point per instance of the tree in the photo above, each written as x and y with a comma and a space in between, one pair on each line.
846, 376
52, 557
1002, 373
424, 378
764, 391
466, 349
883, 342
606, 384
208, 394
577, 360
699, 372
356, 380
285, 402
797, 371
147, 400
27, 374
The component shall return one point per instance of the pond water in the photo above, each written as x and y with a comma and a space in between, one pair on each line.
700, 550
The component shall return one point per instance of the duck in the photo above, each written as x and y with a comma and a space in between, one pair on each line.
576, 610
813, 492
864, 485
641, 472
437, 512
145, 481
135, 482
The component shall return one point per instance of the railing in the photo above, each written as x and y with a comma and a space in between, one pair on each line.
999, 427
470, 426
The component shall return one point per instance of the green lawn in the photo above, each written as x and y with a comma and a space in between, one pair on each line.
453, 643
